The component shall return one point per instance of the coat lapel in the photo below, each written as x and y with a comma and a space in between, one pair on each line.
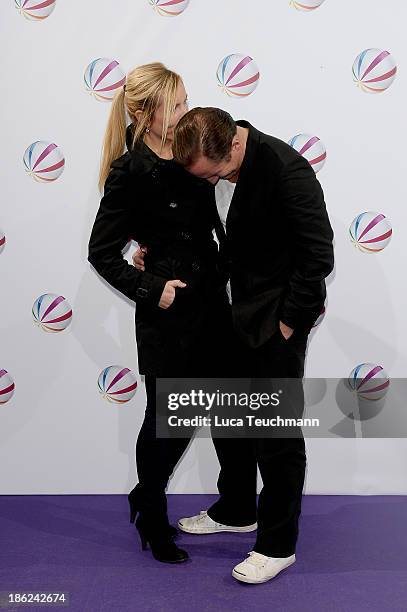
239, 202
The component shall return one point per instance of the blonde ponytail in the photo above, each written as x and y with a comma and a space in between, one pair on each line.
115, 136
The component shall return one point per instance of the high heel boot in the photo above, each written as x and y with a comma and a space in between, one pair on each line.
162, 545
134, 509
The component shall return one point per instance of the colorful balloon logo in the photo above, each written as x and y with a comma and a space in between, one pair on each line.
117, 384
35, 10
306, 5
370, 381
238, 75
6, 386
169, 8
52, 312
44, 161
374, 70
370, 232
103, 77
2, 240
310, 147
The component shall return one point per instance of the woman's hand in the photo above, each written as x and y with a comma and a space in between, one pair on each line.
138, 258
168, 295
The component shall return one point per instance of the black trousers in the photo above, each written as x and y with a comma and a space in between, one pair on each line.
202, 354
281, 461
156, 459
217, 353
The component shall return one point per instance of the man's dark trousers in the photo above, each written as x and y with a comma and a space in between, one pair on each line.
281, 460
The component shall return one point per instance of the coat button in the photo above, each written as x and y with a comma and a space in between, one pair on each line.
141, 292
173, 205
195, 266
186, 235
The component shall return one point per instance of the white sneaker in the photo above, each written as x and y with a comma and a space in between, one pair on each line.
258, 568
202, 523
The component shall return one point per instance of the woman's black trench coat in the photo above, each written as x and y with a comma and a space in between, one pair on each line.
159, 204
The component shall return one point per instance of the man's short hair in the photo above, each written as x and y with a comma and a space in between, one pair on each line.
205, 131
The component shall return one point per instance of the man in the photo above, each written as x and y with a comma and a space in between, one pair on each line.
277, 242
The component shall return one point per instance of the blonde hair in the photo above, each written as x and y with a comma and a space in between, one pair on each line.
144, 87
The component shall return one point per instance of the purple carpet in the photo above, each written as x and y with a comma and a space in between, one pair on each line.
351, 555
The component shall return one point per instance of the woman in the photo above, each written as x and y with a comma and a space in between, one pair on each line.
181, 303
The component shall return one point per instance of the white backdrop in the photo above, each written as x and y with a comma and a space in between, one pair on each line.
58, 434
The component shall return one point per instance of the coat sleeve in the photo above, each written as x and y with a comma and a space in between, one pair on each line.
310, 232
110, 234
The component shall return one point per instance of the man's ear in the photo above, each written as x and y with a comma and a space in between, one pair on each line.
236, 144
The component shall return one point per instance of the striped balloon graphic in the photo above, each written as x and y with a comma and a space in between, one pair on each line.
370, 232
374, 70
44, 161
52, 312
6, 386
35, 10
306, 5
2, 240
369, 381
310, 147
103, 77
169, 8
117, 384
238, 75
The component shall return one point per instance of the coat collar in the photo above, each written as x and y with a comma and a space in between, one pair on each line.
251, 148
245, 173
143, 158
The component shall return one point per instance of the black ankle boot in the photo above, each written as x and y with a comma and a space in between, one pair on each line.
161, 543
134, 509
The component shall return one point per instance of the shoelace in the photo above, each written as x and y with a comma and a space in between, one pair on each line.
256, 559
202, 515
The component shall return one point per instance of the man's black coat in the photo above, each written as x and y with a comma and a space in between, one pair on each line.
278, 240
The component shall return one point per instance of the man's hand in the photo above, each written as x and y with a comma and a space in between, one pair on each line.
285, 330
168, 295
138, 258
